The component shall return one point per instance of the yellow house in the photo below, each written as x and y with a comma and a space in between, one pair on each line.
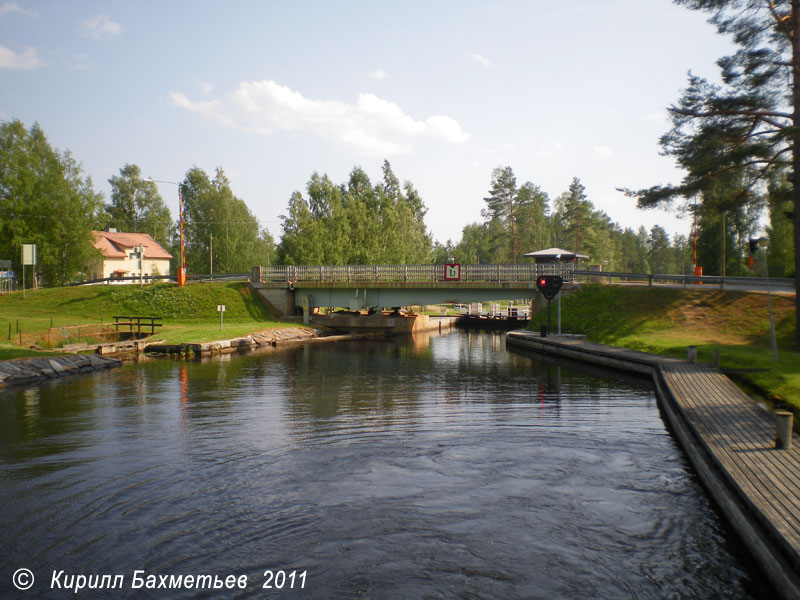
121, 256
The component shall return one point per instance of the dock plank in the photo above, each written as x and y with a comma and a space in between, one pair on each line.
742, 439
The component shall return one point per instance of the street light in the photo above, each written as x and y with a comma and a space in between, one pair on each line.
182, 268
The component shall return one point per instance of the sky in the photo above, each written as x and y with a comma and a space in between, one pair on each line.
446, 91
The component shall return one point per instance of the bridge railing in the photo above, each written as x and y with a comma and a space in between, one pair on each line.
778, 284
413, 273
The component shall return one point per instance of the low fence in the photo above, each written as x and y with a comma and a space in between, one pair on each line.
55, 337
123, 327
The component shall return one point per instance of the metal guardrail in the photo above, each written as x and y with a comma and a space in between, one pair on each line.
715, 280
526, 273
154, 278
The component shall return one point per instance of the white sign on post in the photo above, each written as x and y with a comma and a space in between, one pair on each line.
221, 310
29, 257
29, 254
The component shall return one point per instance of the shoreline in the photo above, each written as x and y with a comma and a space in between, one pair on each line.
31, 370
729, 440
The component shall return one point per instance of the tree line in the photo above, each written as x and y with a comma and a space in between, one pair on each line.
47, 200
354, 222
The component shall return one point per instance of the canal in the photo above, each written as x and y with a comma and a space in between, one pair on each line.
437, 467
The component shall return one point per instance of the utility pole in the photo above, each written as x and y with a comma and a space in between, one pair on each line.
772, 340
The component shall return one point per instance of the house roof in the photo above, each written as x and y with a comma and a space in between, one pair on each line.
119, 244
552, 253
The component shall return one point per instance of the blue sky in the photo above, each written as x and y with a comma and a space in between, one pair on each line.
446, 91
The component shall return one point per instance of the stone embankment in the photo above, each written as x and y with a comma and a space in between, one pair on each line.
32, 370
270, 337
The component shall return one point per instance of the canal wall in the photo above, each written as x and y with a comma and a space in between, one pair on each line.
728, 439
280, 298
33, 370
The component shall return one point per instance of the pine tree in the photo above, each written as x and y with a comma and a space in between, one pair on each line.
749, 128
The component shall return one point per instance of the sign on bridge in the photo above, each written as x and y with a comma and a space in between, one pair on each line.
452, 272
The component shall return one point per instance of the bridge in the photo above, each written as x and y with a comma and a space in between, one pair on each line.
376, 286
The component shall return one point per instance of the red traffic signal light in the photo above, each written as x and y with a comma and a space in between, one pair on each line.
549, 285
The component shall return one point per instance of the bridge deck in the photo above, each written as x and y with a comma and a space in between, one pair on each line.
731, 441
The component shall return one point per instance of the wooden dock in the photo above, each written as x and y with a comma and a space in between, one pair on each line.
730, 440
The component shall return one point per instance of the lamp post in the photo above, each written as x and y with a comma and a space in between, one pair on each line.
182, 267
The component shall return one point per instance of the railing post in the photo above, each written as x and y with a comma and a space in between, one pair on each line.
650, 279
691, 354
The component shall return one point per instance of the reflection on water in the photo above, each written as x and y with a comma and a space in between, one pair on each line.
442, 466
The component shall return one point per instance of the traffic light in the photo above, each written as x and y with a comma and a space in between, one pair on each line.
753, 246
549, 285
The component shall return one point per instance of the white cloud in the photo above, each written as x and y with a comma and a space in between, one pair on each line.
12, 7
379, 74
81, 62
28, 59
206, 88
101, 28
603, 152
481, 59
549, 150
372, 125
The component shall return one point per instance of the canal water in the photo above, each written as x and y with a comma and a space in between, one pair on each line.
438, 467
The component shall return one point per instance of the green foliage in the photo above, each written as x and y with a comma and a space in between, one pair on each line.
736, 139
575, 224
137, 207
45, 200
214, 217
781, 229
660, 255
515, 217
357, 223
198, 300
576, 215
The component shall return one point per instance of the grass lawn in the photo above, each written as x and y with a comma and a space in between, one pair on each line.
189, 313
668, 320
194, 332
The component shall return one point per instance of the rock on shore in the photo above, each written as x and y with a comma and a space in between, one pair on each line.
30, 370
269, 337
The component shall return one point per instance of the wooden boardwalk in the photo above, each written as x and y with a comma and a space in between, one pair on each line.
730, 440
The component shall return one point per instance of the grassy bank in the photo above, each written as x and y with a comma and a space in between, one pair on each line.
189, 313
668, 320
